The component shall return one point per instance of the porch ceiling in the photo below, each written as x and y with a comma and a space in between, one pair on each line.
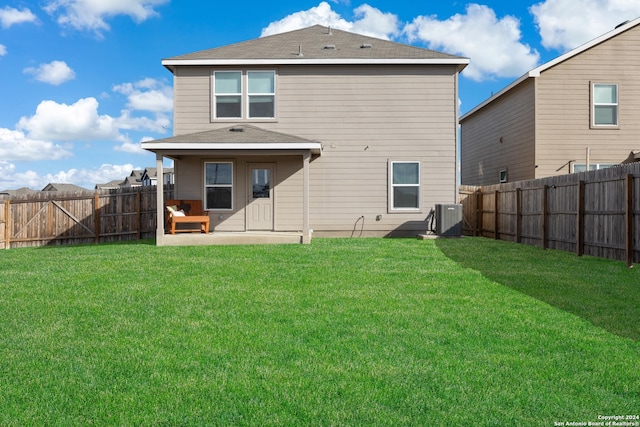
237, 138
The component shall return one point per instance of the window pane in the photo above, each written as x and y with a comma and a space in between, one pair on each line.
605, 94
261, 106
261, 186
218, 174
605, 115
406, 173
228, 82
228, 106
218, 197
261, 81
406, 197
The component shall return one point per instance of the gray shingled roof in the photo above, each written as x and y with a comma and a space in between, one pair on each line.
316, 42
67, 188
238, 134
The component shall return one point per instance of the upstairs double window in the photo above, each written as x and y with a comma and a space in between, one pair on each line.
244, 95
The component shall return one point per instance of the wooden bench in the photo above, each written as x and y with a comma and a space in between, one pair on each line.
193, 214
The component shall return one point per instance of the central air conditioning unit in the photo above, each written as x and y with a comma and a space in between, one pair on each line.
449, 220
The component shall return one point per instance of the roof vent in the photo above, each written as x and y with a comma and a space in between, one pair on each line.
365, 46
621, 24
330, 46
237, 129
329, 33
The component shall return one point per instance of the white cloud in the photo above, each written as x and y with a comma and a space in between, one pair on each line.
147, 95
10, 179
76, 122
16, 146
3, 50
493, 44
131, 147
91, 14
159, 124
10, 16
81, 122
566, 24
55, 72
371, 21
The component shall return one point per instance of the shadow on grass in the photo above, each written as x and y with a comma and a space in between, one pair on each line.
604, 292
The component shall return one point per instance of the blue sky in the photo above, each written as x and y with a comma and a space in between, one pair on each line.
81, 83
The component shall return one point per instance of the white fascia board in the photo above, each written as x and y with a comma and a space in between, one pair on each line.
151, 145
239, 62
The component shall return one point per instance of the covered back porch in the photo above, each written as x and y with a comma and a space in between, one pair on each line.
253, 183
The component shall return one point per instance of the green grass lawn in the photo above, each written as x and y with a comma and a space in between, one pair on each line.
340, 332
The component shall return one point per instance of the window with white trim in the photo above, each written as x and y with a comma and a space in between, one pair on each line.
244, 94
503, 175
404, 185
227, 94
262, 94
604, 104
218, 185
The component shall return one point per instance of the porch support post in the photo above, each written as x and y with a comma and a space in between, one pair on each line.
306, 237
159, 200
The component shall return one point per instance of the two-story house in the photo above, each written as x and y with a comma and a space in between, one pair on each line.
314, 130
578, 111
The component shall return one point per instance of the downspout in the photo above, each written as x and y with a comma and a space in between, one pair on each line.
306, 232
456, 107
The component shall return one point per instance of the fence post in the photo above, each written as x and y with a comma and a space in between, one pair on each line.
580, 220
7, 224
479, 214
629, 216
96, 214
139, 210
496, 235
518, 215
545, 202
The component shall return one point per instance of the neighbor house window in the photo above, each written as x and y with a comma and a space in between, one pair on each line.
262, 93
227, 94
404, 191
218, 182
605, 104
503, 175
582, 167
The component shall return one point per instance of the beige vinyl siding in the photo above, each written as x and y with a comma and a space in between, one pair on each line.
364, 116
191, 99
288, 188
564, 103
510, 118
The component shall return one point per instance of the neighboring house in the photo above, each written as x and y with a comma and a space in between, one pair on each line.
65, 188
133, 180
150, 176
23, 191
582, 107
111, 185
315, 129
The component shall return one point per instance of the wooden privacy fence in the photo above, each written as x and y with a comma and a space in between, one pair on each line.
594, 213
55, 218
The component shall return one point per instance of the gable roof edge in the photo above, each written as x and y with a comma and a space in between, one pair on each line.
536, 72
